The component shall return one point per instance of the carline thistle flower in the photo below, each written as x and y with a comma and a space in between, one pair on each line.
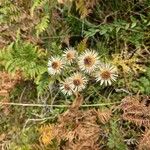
106, 74
88, 61
78, 82
70, 55
66, 87
55, 65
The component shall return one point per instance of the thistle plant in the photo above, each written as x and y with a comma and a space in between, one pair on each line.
81, 68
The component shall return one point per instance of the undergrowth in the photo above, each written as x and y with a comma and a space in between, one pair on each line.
109, 115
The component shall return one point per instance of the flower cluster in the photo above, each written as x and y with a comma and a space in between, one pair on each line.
85, 65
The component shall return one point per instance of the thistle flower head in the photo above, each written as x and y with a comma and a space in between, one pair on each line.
55, 65
106, 74
70, 55
66, 87
88, 61
78, 82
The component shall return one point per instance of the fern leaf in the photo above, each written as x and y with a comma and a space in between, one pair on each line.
36, 4
42, 26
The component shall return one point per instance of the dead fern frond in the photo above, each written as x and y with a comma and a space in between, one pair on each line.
16, 17
77, 102
79, 128
104, 115
136, 111
7, 83
82, 45
144, 143
139, 121
128, 64
85, 7
47, 134
38, 147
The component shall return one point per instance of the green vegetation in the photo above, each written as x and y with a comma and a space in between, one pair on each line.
35, 112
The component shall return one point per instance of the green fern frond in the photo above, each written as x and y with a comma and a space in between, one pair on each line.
42, 82
25, 57
42, 26
37, 4
9, 12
